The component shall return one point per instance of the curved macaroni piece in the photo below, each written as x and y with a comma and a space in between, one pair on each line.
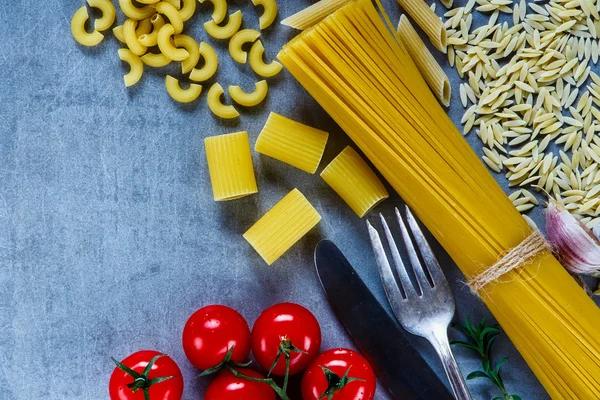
118, 32
217, 107
270, 13
150, 39
226, 31
133, 12
220, 10
148, 1
187, 9
249, 99
135, 64
240, 39
182, 95
132, 39
78, 29
143, 27
174, 3
257, 63
155, 60
211, 63
167, 48
169, 11
108, 14
190, 45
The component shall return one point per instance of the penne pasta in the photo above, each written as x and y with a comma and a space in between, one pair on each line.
133, 12
156, 60
131, 38
187, 9
136, 67
172, 14
211, 63
108, 14
434, 75
356, 183
230, 166
166, 47
216, 105
269, 14
151, 38
282, 226
293, 143
226, 31
182, 95
189, 44
427, 20
258, 64
314, 14
78, 29
118, 32
219, 11
240, 39
249, 99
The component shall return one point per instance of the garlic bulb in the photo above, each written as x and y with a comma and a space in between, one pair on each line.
577, 247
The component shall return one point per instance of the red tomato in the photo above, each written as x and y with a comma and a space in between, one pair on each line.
164, 366
209, 334
227, 387
278, 329
339, 361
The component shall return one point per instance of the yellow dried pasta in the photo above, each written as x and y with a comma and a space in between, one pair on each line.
226, 31
249, 99
155, 60
216, 105
78, 29
258, 64
166, 46
431, 24
269, 14
189, 44
151, 38
211, 63
179, 94
133, 12
292, 142
108, 14
240, 39
282, 226
314, 14
135, 64
352, 178
219, 11
230, 166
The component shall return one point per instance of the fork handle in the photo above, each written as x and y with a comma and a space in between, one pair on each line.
441, 344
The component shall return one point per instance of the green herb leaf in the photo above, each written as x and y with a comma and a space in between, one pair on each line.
477, 374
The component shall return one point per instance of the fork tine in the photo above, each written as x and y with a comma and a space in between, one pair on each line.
407, 285
431, 262
412, 255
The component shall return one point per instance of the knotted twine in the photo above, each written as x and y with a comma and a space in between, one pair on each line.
515, 258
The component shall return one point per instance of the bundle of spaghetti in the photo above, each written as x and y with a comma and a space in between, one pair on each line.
354, 66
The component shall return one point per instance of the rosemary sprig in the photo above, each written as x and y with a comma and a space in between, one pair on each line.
480, 339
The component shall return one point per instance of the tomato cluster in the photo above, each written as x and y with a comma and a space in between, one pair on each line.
285, 340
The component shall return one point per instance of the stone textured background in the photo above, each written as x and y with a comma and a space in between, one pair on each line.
109, 235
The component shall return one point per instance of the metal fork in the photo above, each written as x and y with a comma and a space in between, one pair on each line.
428, 311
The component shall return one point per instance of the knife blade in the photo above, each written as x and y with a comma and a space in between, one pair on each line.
400, 368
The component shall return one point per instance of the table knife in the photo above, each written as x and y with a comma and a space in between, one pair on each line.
400, 368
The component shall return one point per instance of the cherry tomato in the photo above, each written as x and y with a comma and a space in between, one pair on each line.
227, 387
316, 382
209, 334
282, 328
163, 367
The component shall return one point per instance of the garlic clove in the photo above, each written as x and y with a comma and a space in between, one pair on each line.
576, 246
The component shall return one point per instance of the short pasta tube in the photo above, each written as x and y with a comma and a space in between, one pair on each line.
133, 12
211, 63
282, 226
293, 143
119, 35
190, 45
230, 166
151, 38
188, 9
179, 94
258, 64
226, 31
249, 99
172, 15
167, 48
431, 24
269, 14
313, 14
174, 3
131, 38
356, 183
78, 29
108, 14
216, 105
219, 11
156, 60
136, 67
434, 75
240, 39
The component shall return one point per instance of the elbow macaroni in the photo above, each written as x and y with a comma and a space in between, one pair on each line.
226, 31
108, 14
190, 45
188, 9
211, 63
143, 27
269, 14
118, 32
257, 63
166, 47
135, 64
238, 40
155, 60
182, 95
174, 3
220, 10
150, 39
169, 11
132, 39
217, 107
249, 99
133, 12
78, 29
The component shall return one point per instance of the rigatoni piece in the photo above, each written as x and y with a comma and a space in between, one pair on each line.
434, 75
314, 14
292, 142
230, 166
282, 226
427, 20
350, 176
